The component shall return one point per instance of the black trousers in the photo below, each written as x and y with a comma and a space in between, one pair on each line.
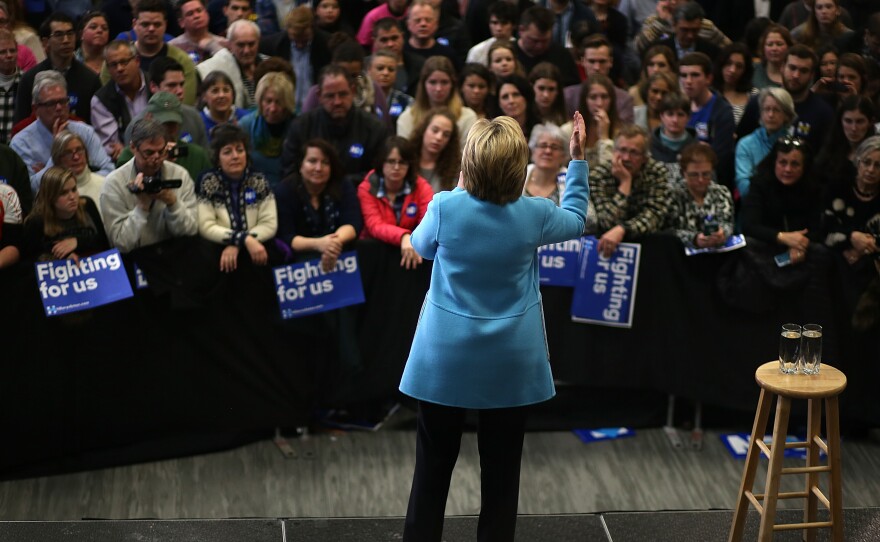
500, 439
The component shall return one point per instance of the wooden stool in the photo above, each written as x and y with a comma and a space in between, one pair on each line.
827, 385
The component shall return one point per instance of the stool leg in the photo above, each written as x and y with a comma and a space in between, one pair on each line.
777, 452
753, 457
835, 489
814, 427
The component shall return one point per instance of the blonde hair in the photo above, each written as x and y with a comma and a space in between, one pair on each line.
494, 160
281, 85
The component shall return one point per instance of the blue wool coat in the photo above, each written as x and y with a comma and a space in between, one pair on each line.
480, 342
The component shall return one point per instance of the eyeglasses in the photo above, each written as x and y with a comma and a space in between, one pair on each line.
122, 63
395, 163
54, 103
694, 175
629, 152
788, 143
73, 152
549, 147
61, 35
869, 164
150, 153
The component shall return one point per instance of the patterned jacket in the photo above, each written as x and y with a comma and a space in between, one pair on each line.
644, 211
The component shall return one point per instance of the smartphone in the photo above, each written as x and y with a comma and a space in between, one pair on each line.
782, 259
835, 86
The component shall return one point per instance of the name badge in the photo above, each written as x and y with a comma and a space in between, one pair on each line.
443, 41
412, 209
250, 196
74, 99
702, 130
3, 180
356, 150
395, 110
186, 137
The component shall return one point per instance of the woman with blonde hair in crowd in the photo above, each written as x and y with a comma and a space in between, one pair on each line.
437, 149
62, 225
267, 126
69, 152
437, 88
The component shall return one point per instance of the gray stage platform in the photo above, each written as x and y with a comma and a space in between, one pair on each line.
862, 525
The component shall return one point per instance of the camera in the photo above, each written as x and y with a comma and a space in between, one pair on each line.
154, 185
177, 152
710, 225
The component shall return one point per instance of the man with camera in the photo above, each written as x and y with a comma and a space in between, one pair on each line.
148, 199
166, 109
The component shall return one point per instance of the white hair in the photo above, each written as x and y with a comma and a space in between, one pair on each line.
235, 26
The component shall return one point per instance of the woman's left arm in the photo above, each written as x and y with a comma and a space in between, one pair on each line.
267, 220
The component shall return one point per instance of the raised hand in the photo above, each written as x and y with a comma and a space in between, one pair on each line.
578, 143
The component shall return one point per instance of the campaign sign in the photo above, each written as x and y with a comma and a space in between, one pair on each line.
608, 433
733, 242
738, 445
605, 288
66, 286
557, 263
305, 288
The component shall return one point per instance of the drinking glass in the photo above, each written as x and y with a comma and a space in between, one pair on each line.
811, 349
789, 348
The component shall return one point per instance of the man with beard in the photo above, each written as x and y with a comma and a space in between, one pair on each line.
814, 115
357, 135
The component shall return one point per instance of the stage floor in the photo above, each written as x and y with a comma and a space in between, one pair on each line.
861, 525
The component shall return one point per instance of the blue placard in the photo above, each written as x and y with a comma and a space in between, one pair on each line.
733, 242
558, 263
605, 288
304, 288
66, 286
607, 433
738, 445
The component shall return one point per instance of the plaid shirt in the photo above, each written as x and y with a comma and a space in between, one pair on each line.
643, 211
7, 109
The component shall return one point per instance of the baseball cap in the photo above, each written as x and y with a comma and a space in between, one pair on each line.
164, 107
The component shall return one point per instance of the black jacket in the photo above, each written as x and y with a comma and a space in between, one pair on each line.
278, 44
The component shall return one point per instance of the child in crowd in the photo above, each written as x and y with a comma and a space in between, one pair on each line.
672, 135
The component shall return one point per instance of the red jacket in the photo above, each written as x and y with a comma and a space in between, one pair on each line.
379, 220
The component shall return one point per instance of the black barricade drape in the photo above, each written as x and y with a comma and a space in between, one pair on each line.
150, 377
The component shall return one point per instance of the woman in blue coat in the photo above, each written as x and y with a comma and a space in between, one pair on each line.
480, 342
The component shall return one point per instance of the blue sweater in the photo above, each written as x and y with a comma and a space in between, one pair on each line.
750, 150
480, 341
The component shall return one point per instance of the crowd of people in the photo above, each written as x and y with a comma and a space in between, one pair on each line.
275, 131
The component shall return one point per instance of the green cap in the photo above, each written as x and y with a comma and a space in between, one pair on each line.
165, 107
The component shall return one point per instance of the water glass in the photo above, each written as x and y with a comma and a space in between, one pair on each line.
811, 349
789, 348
